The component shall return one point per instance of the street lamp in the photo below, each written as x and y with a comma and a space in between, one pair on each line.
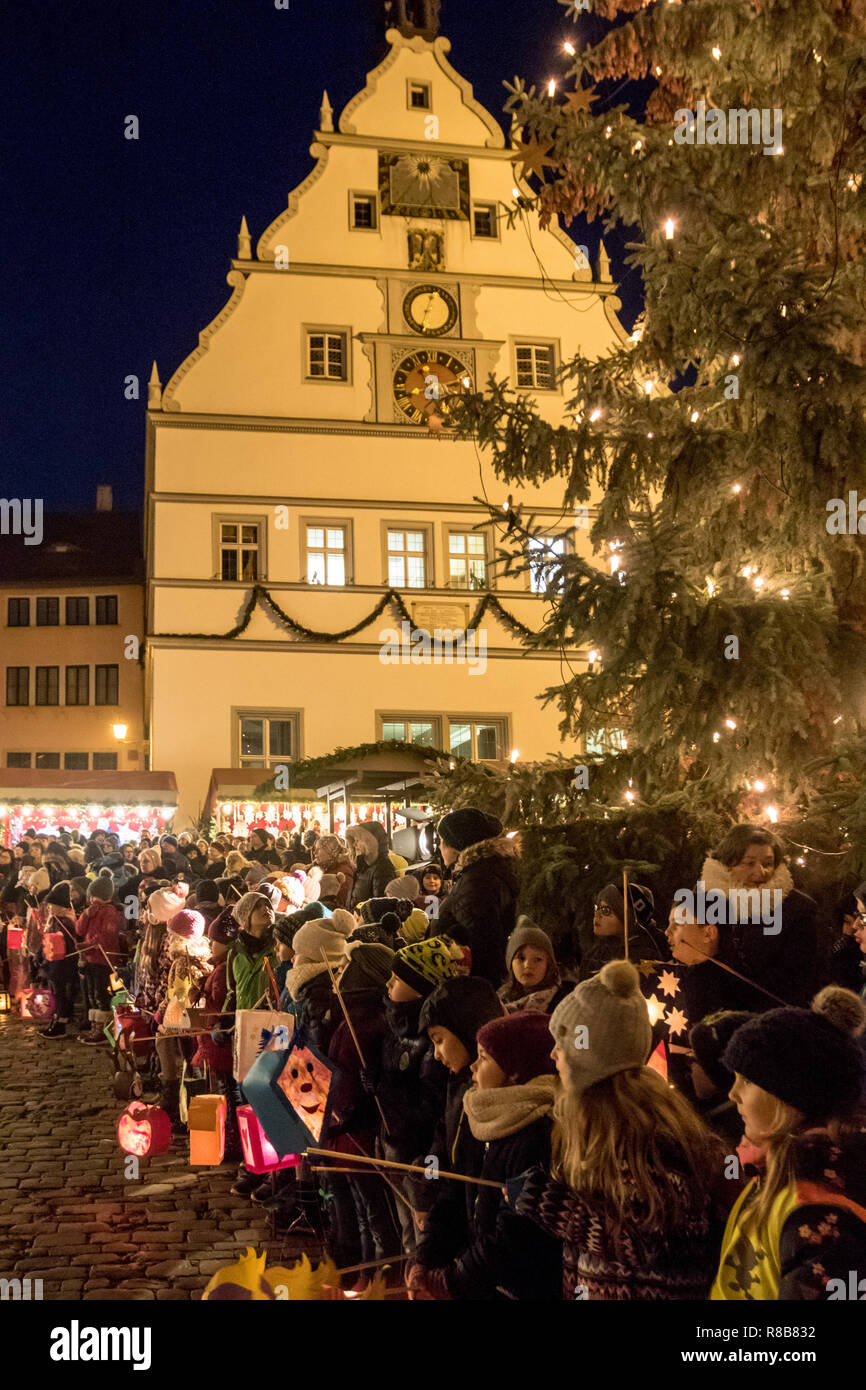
119, 731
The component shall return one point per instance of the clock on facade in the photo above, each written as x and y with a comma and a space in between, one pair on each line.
427, 381
430, 310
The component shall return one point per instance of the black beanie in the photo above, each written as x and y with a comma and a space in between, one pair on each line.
58, 896
206, 891
641, 904
374, 909
462, 1005
369, 968
460, 829
802, 1058
286, 926
710, 1037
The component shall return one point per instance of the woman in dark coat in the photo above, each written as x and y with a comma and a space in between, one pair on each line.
479, 912
262, 850
373, 869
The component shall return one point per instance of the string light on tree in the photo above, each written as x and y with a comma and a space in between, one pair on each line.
551, 88
669, 229
569, 48
772, 814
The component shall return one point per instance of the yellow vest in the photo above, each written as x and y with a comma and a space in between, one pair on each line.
749, 1267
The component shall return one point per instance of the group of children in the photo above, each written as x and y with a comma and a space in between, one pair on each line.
546, 1160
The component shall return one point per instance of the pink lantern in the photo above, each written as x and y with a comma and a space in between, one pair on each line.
37, 1004
260, 1156
144, 1130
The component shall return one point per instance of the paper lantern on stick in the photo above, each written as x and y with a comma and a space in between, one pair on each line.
144, 1130
260, 1156
5, 1001
37, 1004
206, 1116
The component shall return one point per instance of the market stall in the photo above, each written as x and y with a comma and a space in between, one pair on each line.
129, 804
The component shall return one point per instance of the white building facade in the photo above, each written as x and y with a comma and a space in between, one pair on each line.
300, 462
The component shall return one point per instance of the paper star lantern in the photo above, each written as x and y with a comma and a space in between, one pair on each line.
656, 1010
677, 1021
646, 967
668, 983
581, 99
533, 157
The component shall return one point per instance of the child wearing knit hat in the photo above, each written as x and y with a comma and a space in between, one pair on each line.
799, 1228
98, 928
509, 1110
630, 1194
417, 969
533, 976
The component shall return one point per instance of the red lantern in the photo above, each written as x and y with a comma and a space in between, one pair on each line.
260, 1156
14, 938
37, 1004
144, 1130
207, 1129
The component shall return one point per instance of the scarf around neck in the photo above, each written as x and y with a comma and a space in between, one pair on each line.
507, 1109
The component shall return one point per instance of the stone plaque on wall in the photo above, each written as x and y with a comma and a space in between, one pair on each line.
429, 616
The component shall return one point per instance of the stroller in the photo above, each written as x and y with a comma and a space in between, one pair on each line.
133, 1045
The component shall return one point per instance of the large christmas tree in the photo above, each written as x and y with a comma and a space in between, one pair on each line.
722, 448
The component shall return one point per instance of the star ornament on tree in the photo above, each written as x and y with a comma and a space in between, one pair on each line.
581, 99
533, 157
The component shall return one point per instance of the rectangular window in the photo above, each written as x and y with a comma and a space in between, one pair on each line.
543, 552
18, 759
106, 685
407, 559
77, 612
47, 612
78, 685
482, 740
467, 560
484, 220
421, 731
419, 96
326, 356
240, 551
47, 760
18, 686
363, 205
326, 554
18, 612
106, 610
47, 685
75, 762
536, 365
266, 739
105, 762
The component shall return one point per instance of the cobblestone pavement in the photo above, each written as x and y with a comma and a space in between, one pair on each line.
69, 1217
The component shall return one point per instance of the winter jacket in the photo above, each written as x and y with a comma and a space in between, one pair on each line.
671, 1260
505, 1252
541, 1001
373, 870
247, 975
311, 1000
605, 948
788, 962
352, 1108
99, 926
707, 988
267, 857
448, 1204
217, 1056
479, 912
347, 869
411, 1085
815, 1234
177, 863
846, 964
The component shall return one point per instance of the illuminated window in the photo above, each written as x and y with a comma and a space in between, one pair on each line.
407, 559
467, 560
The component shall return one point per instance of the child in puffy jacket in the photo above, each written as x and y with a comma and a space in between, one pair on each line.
98, 928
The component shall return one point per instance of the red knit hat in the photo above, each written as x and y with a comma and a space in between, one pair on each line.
188, 924
520, 1044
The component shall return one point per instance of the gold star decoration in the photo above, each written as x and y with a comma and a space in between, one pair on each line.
677, 1021
533, 157
656, 1010
668, 983
646, 967
581, 99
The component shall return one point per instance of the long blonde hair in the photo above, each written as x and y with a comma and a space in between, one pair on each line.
627, 1139
786, 1129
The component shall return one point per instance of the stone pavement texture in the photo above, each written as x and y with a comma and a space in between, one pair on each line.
69, 1216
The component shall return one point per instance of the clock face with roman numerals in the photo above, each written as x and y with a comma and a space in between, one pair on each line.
427, 381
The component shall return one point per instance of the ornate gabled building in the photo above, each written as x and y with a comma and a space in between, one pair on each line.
305, 493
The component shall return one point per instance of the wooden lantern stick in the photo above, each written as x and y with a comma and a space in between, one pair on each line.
407, 1168
625, 911
352, 1031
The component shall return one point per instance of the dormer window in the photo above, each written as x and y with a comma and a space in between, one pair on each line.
419, 96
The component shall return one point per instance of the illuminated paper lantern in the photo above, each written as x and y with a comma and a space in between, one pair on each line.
15, 938
260, 1156
5, 1001
144, 1130
37, 1004
206, 1117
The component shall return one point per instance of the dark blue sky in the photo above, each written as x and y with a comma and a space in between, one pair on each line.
117, 251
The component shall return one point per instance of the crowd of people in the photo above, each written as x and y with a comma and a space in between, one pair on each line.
556, 1144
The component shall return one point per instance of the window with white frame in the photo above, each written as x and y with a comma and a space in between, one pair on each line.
327, 355
363, 212
265, 739
327, 554
544, 552
536, 365
407, 558
481, 740
240, 550
399, 729
485, 221
467, 560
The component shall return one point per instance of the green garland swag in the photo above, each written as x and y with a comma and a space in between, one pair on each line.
391, 599
306, 771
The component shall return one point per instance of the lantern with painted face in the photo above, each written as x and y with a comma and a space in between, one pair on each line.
305, 1082
144, 1130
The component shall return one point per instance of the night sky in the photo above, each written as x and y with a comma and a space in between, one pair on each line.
116, 250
